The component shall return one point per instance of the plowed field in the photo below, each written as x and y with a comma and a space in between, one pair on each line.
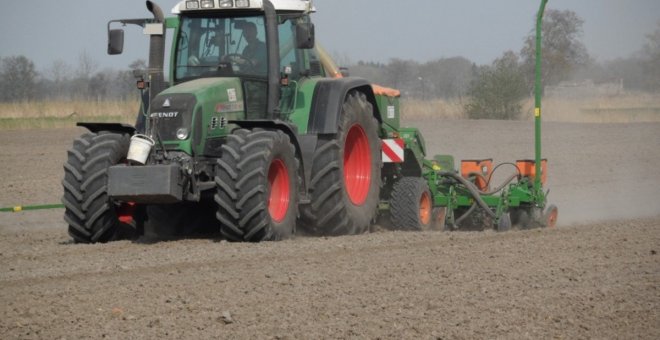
597, 275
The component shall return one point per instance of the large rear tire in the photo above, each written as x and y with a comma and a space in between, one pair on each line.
91, 215
411, 205
345, 183
257, 187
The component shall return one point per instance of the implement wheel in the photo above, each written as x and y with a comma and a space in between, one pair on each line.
550, 216
345, 183
257, 187
91, 215
411, 205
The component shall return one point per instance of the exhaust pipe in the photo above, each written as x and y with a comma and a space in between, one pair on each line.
156, 53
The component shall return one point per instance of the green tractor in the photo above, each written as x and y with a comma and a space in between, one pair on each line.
251, 122
256, 133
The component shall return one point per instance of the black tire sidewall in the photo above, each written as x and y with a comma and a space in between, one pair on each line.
285, 228
405, 204
243, 212
107, 223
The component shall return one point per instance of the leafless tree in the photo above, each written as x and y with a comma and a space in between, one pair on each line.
651, 55
18, 78
563, 49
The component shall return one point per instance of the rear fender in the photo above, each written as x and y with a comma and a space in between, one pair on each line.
329, 95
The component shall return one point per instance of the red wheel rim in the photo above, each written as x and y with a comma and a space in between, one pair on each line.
357, 165
425, 208
278, 200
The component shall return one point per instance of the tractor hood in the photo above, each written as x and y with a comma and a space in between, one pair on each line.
214, 87
188, 113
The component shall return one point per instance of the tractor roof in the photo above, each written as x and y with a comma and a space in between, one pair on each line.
234, 5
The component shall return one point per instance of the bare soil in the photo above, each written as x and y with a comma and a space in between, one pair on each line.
597, 275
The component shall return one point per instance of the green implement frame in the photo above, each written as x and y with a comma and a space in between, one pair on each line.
537, 96
521, 194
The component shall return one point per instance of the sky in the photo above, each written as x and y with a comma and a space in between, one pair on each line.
47, 31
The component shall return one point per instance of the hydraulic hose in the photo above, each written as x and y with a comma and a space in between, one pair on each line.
474, 206
497, 189
465, 214
474, 191
20, 208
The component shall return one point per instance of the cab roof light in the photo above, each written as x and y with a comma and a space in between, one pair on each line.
207, 4
242, 3
192, 4
226, 3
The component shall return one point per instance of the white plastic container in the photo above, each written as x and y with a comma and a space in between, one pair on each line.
139, 150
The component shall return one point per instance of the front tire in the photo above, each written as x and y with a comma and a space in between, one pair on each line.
345, 183
89, 211
257, 187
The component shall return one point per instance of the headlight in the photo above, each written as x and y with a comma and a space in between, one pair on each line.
242, 3
226, 3
182, 133
192, 4
207, 3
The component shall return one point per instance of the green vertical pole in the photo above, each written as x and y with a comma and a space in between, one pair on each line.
537, 100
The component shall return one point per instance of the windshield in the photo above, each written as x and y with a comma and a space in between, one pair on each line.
219, 47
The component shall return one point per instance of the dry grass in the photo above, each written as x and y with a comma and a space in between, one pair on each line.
52, 114
68, 108
436, 108
613, 109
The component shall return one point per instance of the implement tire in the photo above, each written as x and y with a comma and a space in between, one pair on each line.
411, 206
345, 183
89, 212
257, 187
550, 216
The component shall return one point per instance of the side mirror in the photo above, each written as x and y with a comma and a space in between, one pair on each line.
115, 41
305, 35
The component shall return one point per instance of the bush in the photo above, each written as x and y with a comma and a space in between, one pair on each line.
498, 90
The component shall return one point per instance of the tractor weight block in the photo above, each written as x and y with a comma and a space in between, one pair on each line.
145, 184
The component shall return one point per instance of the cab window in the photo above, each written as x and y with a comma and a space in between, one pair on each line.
215, 47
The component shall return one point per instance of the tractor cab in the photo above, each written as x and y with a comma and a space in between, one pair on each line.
264, 46
231, 60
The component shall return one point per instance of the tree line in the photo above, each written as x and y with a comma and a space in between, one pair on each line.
20, 81
497, 90
490, 91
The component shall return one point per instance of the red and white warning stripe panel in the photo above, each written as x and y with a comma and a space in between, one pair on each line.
392, 150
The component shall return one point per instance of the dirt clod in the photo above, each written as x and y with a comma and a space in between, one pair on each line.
226, 317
